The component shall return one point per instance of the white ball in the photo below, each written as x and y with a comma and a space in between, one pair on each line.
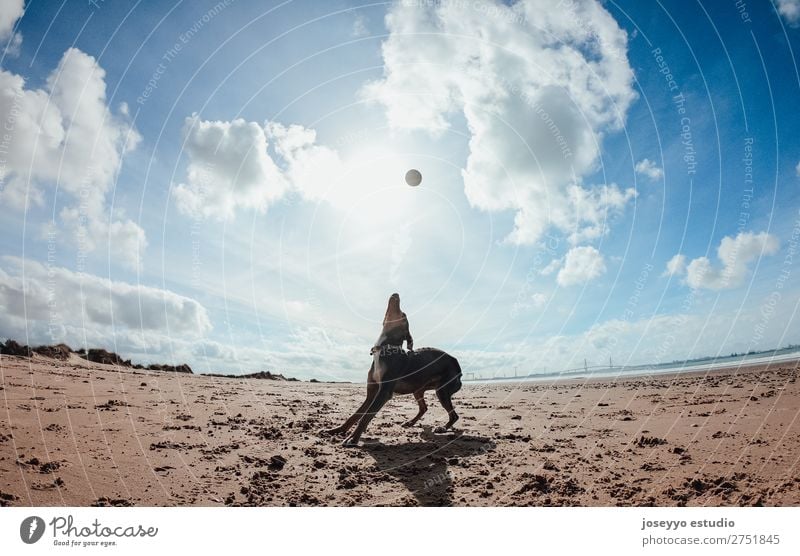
413, 178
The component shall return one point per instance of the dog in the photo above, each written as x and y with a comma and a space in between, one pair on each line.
396, 371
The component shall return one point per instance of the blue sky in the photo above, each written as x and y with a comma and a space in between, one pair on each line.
238, 202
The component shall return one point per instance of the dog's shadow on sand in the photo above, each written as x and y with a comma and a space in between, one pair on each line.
423, 466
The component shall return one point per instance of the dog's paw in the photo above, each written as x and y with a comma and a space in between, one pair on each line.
349, 442
441, 430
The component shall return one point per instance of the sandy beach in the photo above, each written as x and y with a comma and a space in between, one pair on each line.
76, 433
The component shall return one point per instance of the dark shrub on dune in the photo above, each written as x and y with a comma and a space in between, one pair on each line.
106, 358
171, 368
13, 348
111, 358
58, 351
260, 375
266, 375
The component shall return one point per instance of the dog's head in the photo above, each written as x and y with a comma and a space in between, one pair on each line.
393, 313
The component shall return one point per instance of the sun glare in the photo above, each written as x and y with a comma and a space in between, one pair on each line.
372, 191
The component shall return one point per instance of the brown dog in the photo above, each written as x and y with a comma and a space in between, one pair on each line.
395, 371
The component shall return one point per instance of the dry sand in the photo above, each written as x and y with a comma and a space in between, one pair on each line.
75, 433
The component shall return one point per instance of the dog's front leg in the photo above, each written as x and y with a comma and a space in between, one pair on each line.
372, 391
383, 395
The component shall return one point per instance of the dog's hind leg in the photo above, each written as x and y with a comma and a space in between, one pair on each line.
384, 393
372, 391
447, 404
419, 395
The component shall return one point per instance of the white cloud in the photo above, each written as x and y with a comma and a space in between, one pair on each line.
56, 299
64, 135
309, 168
676, 266
360, 28
529, 303
551, 267
647, 167
789, 10
231, 167
539, 86
592, 209
10, 12
735, 254
538, 300
581, 264
51, 305
210, 350
797, 169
